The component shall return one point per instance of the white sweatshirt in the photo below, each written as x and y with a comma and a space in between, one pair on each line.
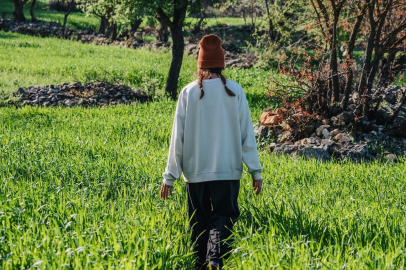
212, 136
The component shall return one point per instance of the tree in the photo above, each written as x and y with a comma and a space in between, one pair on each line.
325, 82
18, 13
33, 18
173, 13
170, 13
178, 14
104, 9
70, 6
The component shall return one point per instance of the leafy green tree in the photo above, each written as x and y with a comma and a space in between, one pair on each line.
170, 12
174, 13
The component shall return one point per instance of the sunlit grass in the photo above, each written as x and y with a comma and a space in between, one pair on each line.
79, 189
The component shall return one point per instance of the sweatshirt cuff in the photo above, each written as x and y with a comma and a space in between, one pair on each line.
168, 182
256, 176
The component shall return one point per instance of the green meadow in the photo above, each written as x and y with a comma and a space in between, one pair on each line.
80, 190
79, 187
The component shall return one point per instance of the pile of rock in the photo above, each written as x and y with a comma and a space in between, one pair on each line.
336, 136
48, 29
79, 94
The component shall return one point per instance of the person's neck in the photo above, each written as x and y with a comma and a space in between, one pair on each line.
214, 76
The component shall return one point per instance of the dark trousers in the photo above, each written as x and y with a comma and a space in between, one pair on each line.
212, 209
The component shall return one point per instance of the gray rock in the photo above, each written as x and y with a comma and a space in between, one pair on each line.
311, 140
317, 153
21, 91
69, 103
327, 142
355, 153
325, 133
389, 97
345, 139
233, 62
346, 116
262, 132
81, 101
289, 149
337, 122
300, 150
319, 130
272, 146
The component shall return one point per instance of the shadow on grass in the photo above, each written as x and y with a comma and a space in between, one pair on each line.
8, 35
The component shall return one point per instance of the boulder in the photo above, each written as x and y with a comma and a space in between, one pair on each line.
356, 153
325, 133
314, 152
262, 132
319, 130
304, 151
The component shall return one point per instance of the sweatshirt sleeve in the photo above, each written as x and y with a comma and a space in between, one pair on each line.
175, 158
249, 145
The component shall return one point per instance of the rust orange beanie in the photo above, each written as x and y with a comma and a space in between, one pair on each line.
211, 55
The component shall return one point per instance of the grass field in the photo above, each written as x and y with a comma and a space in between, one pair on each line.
79, 186
79, 190
78, 20
26, 64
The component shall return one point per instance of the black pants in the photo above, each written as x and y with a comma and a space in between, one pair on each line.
213, 209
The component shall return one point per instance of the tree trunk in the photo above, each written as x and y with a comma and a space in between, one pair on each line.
171, 87
179, 14
33, 18
163, 32
271, 27
368, 56
104, 25
350, 60
65, 17
18, 13
198, 27
333, 63
114, 31
135, 25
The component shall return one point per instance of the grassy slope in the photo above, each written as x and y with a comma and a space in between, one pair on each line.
79, 187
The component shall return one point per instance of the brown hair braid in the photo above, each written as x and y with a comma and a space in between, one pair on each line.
206, 73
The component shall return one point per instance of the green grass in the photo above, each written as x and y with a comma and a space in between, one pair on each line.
78, 20
43, 61
79, 189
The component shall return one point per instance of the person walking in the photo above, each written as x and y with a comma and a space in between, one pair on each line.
212, 135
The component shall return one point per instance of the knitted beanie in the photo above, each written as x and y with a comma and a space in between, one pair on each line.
211, 55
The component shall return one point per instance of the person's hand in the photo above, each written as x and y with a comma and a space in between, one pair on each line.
165, 191
257, 184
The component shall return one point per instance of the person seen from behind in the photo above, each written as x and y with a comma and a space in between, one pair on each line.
212, 135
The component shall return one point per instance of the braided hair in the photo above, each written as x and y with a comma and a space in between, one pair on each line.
206, 73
